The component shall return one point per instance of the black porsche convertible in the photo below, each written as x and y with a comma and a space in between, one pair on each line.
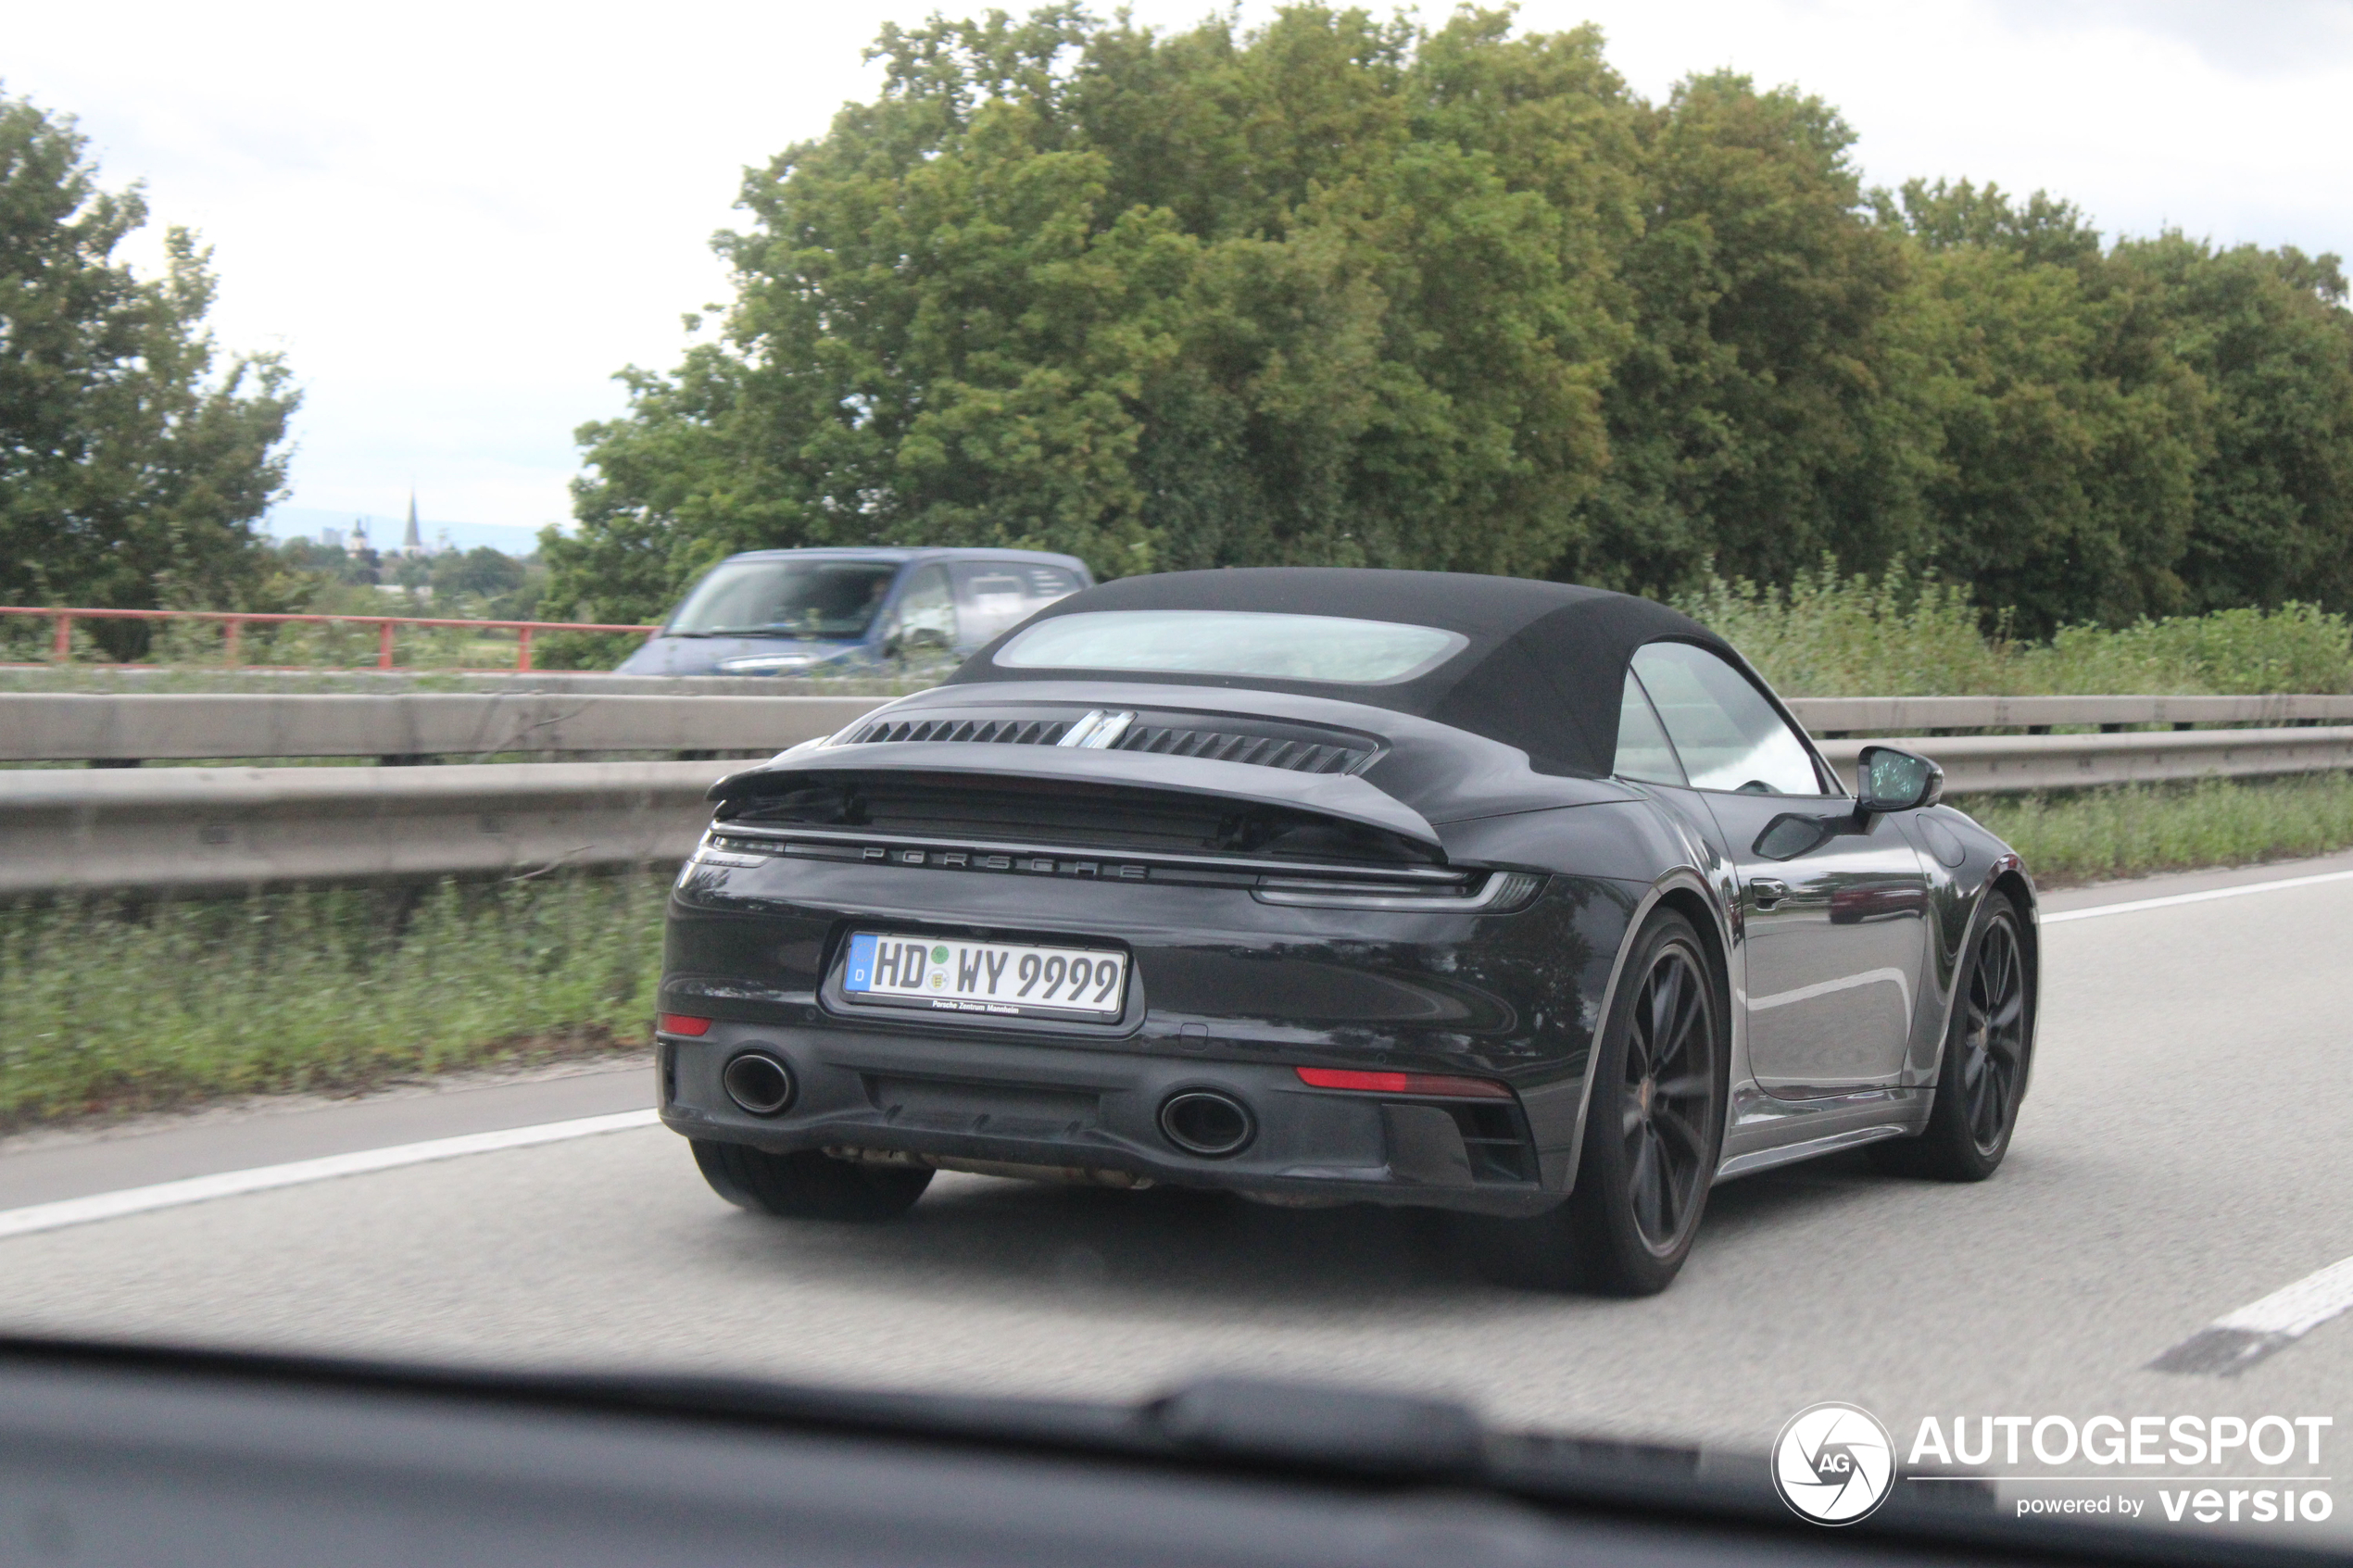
1515, 898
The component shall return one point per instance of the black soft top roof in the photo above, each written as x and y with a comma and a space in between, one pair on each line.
1544, 671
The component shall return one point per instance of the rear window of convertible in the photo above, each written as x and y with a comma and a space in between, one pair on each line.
1230, 642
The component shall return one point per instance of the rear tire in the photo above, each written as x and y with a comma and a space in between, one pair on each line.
1653, 1130
808, 1185
1983, 1072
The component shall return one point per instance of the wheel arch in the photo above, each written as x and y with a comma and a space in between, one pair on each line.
2006, 876
1686, 892
2010, 877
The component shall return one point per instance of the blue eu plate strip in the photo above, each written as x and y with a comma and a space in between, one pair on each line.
861, 964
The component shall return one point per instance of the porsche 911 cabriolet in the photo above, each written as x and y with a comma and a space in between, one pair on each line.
1518, 899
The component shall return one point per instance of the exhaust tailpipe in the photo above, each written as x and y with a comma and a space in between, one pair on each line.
759, 1083
1206, 1123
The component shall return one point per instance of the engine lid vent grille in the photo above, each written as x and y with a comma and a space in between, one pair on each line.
1294, 748
998, 731
1264, 751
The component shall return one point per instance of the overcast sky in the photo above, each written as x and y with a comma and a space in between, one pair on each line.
459, 220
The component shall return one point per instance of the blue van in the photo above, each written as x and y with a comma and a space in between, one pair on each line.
838, 612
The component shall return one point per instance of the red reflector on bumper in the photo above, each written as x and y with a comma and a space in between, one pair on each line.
1403, 1083
679, 1023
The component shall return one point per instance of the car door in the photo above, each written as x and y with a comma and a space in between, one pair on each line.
1834, 902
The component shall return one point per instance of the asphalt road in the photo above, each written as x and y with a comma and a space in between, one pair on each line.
2183, 1152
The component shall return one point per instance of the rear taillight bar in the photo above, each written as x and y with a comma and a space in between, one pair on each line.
1441, 1086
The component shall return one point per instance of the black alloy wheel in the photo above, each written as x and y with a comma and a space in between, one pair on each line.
1666, 1096
1984, 1068
1653, 1129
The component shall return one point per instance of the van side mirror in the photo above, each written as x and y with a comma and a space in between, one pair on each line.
1890, 780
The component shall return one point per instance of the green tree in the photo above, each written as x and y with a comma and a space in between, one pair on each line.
132, 473
1751, 421
1330, 291
2068, 433
1343, 290
2267, 337
482, 573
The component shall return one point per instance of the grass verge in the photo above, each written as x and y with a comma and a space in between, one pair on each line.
116, 1006
2088, 835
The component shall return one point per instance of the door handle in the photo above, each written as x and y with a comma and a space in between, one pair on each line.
1765, 892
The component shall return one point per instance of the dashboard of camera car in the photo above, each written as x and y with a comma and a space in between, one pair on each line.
141, 1456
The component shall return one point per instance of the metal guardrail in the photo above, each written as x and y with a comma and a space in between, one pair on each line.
2010, 764
196, 829
73, 726
638, 713
218, 828
1883, 715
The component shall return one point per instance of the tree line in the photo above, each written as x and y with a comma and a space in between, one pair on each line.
134, 462
1332, 291
1345, 291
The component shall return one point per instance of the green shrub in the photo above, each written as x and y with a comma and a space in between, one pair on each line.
2089, 834
1900, 634
109, 1005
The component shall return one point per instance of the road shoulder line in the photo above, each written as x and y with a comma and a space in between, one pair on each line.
2169, 900
115, 1205
2237, 1340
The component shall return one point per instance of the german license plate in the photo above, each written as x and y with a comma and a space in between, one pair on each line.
997, 979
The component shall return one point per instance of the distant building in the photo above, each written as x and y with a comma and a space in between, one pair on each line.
331, 538
358, 544
412, 543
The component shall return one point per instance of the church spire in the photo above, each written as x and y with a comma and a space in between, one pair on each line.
413, 543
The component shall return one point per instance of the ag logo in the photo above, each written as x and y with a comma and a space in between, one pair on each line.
1834, 1463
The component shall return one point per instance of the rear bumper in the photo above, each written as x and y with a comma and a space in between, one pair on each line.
1053, 1105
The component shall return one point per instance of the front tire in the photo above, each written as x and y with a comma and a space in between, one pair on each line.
1653, 1129
808, 1185
1983, 1072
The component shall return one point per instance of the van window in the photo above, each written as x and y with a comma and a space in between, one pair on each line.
990, 598
815, 600
994, 596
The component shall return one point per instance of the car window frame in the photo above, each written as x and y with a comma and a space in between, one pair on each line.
1824, 774
1682, 779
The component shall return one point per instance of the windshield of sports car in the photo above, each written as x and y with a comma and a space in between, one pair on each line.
809, 600
1222, 642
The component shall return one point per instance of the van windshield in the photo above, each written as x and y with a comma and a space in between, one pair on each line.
835, 600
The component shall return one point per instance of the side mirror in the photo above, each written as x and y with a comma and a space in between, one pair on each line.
1889, 780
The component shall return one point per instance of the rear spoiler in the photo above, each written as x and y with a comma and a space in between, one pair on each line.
1339, 796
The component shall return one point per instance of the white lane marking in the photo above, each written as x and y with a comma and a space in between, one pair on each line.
2299, 1308
2171, 899
2237, 1340
262, 1178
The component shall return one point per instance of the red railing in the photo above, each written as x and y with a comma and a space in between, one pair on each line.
232, 625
